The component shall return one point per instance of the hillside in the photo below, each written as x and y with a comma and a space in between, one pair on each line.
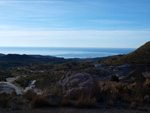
140, 56
46, 81
15, 60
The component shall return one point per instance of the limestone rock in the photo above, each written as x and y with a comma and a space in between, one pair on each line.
77, 82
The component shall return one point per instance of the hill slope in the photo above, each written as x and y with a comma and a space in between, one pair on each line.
139, 56
16, 60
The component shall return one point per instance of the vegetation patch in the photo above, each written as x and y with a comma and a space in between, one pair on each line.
39, 101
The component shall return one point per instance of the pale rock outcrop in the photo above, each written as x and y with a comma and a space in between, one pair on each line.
75, 83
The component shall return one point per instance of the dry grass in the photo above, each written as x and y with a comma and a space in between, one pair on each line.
29, 95
5, 99
84, 98
133, 106
86, 102
39, 101
4, 102
66, 102
142, 109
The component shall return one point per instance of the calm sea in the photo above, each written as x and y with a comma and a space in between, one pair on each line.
66, 52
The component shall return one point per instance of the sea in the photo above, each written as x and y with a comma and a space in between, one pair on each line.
67, 52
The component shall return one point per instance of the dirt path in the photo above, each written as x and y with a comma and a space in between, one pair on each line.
8, 86
73, 110
12, 79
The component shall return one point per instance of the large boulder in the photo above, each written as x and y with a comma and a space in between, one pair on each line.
75, 83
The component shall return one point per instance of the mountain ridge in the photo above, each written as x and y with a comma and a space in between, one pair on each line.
139, 56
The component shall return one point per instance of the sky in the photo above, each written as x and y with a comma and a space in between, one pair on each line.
74, 23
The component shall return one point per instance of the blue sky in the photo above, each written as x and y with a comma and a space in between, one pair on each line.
74, 23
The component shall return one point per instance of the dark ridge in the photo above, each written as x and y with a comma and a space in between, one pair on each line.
14, 60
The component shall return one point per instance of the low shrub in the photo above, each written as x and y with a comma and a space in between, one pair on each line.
142, 109
133, 105
4, 100
125, 106
114, 78
89, 98
137, 94
65, 102
57, 90
29, 95
84, 101
39, 101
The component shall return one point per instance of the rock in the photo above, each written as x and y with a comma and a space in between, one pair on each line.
77, 82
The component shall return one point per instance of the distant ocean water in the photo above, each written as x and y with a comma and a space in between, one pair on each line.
66, 52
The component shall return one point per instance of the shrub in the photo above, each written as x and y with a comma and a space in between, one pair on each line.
65, 102
133, 105
84, 101
142, 109
137, 94
29, 95
4, 100
125, 106
147, 87
84, 97
57, 90
114, 78
89, 98
95, 92
39, 101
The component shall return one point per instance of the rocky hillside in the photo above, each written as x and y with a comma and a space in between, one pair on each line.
139, 56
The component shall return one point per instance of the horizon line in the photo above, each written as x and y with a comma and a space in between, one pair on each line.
65, 47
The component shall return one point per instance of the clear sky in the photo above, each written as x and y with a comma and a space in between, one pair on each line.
74, 23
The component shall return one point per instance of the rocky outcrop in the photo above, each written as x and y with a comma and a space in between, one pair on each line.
75, 83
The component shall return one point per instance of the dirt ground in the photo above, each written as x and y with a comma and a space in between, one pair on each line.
73, 110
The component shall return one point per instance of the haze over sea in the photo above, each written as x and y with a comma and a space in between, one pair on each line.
66, 52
